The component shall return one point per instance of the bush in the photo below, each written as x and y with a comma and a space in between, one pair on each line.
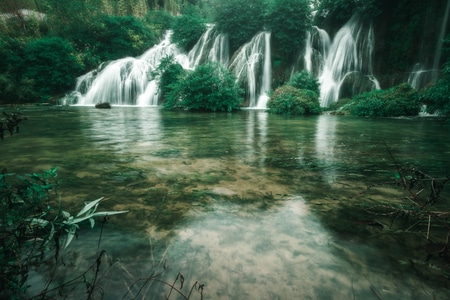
187, 30
210, 87
398, 101
437, 97
289, 100
305, 81
168, 73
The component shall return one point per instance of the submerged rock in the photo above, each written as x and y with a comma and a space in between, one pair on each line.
103, 105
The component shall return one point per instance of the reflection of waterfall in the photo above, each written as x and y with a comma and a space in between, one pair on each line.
343, 67
325, 145
257, 137
252, 66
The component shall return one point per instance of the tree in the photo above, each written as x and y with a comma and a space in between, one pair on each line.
51, 65
187, 29
210, 87
241, 20
289, 21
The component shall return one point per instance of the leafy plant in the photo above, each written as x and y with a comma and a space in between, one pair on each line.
289, 100
210, 87
30, 227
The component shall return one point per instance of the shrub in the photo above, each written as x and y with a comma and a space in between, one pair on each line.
398, 101
437, 97
289, 100
168, 73
187, 30
210, 87
305, 81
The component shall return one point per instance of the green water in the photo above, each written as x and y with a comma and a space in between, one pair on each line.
252, 205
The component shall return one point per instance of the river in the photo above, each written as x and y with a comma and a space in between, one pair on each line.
249, 205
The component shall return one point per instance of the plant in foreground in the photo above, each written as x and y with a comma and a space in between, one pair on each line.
30, 227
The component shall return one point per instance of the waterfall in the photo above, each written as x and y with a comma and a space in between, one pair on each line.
252, 66
346, 60
211, 46
125, 81
128, 81
420, 75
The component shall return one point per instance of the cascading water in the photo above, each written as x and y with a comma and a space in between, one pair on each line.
125, 81
128, 81
347, 60
252, 65
211, 46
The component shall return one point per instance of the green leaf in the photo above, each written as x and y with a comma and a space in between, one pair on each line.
89, 205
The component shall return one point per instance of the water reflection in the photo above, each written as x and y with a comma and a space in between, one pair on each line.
325, 143
207, 189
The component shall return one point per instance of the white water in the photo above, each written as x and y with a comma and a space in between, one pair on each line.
125, 81
210, 47
252, 65
128, 81
350, 53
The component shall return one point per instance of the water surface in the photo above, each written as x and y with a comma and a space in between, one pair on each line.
252, 205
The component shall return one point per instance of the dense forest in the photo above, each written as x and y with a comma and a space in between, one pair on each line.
47, 44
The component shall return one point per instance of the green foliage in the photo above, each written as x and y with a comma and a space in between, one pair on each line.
398, 101
111, 37
52, 66
210, 87
30, 227
159, 21
168, 73
187, 29
437, 97
342, 10
241, 20
305, 81
288, 100
289, 21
